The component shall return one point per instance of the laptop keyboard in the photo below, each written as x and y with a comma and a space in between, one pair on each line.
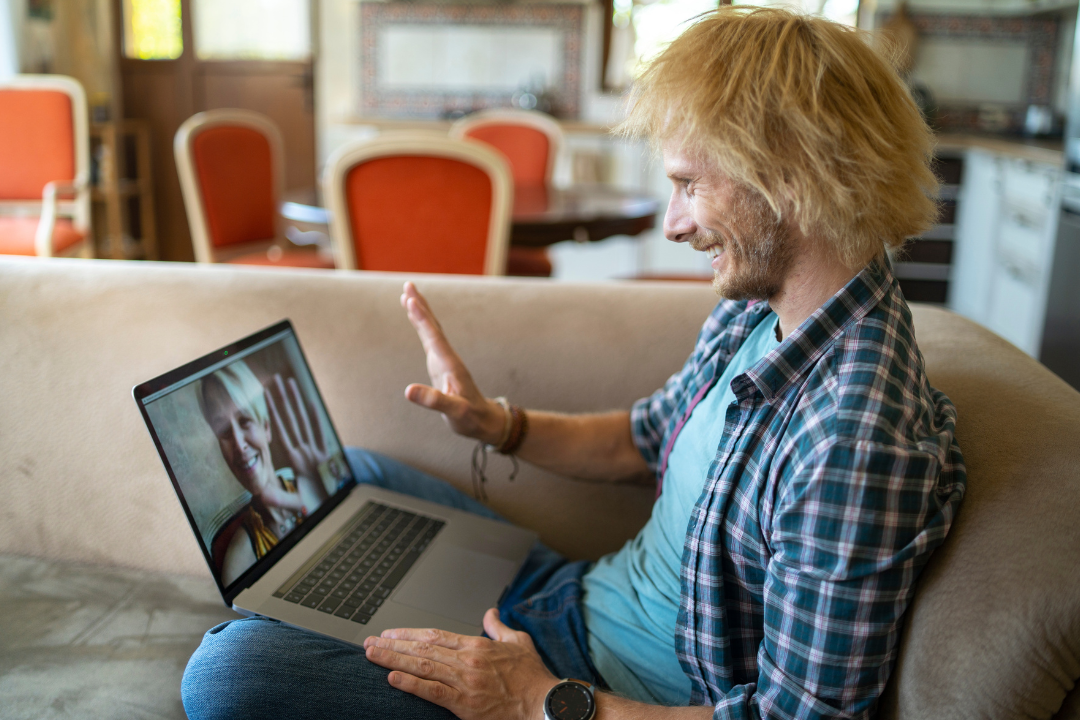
353, 576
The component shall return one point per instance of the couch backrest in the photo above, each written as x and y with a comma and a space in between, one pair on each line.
82, 480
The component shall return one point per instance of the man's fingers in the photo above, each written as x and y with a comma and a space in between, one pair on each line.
431, 636
427, 396
419, 666
410, 291
428, 328
496, 630
430, 690
414, 649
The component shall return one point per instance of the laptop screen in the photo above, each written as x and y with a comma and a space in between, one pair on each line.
248, 443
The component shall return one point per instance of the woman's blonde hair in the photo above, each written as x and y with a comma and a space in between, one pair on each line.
802, 110
240, 383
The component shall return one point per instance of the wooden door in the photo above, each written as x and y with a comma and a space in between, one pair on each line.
165, 92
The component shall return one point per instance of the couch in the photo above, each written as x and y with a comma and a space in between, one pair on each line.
104, 593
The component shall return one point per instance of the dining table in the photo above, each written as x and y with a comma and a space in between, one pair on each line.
542, 215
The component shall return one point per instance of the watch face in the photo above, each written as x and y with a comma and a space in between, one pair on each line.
570, 701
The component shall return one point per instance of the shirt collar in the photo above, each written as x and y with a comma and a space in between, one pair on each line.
802, 349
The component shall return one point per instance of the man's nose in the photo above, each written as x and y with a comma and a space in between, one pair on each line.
679, 223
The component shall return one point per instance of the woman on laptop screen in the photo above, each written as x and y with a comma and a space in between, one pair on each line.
246, 419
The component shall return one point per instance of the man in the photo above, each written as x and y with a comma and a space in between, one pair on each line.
806, 468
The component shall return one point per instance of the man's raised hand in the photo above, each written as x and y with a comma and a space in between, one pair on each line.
452, 391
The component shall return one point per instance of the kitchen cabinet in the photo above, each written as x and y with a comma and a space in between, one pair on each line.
1006, 227
922, 267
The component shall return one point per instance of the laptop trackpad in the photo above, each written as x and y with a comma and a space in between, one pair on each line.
457, 583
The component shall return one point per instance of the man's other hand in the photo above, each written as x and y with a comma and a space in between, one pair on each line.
475, 678
452, 391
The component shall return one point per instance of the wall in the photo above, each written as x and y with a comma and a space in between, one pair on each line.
977, 7
9, 38
76, 41
985, 70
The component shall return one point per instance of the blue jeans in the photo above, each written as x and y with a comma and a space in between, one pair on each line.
258, 667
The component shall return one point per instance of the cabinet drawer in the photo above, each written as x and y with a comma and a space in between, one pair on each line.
1029, 184
1015, 312
1024, 233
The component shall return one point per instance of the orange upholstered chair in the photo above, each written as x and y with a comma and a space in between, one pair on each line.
232, 176
419, 202
44, 167
531, 142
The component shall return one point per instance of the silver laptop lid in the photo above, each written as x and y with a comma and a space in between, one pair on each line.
252, 454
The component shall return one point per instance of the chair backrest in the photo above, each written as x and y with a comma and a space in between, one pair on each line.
530, 140
419, 202
44, 135
232, 177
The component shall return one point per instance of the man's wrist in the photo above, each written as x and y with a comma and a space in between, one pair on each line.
539, 695
495, 420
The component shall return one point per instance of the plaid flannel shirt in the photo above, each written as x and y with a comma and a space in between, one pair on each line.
836, 477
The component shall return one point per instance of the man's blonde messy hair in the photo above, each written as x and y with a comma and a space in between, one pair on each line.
805, 112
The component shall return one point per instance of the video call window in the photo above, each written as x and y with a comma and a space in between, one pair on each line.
252, 450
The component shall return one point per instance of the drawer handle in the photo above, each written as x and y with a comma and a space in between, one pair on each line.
1026, 221
1024, 275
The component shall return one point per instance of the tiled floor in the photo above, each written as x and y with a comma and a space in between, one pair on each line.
85, 642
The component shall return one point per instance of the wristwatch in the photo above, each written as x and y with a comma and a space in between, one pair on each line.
570, 700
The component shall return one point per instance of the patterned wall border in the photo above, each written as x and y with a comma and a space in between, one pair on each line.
569, 19
1040, 35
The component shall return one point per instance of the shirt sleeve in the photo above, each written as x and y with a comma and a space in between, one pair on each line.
849, 536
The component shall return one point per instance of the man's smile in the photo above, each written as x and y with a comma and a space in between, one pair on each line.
714, 252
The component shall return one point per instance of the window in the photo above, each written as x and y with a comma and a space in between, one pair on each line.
152, 29
642, 28
841, 11
252, 29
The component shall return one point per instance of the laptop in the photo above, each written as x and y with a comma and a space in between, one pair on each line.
288, 529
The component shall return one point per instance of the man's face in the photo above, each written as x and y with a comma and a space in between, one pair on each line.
749, 247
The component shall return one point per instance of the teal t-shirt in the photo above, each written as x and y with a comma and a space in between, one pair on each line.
632, 597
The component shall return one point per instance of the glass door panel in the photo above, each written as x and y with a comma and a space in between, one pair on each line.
252, 29
152, 29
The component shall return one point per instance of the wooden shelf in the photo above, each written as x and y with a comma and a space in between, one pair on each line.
121, 149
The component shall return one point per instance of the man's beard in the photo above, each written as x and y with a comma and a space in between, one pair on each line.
757, 264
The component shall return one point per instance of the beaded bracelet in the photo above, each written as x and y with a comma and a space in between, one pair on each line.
515, 428
508, 421
519, 427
